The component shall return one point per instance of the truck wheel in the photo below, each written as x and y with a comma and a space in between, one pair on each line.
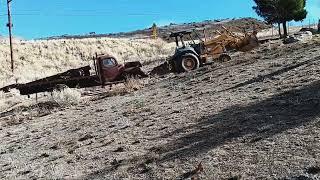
224, 58
188, 62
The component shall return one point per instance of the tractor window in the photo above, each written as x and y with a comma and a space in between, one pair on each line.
110, 62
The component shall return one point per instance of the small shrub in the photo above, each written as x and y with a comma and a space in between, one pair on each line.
66, 97
8, 100
129, 86
118, 90
133, 84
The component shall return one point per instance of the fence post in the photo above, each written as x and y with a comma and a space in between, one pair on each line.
10, 34
309, 24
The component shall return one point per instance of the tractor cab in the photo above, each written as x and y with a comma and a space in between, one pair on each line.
179, 37
182, 36
187, 56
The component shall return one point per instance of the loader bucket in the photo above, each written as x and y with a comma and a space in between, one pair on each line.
249, 43
161, 69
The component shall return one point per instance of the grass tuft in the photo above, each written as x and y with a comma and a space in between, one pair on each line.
66, 97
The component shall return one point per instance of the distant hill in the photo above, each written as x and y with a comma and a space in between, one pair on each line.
235, 25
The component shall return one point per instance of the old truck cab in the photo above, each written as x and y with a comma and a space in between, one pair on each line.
109, 70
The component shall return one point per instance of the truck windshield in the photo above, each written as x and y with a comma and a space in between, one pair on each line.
110, 62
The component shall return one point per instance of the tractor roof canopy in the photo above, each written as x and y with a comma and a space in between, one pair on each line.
180, 33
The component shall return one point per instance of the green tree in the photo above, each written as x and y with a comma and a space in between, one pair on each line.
281, 11
267, 9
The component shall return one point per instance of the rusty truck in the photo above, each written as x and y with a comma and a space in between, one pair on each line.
107, 72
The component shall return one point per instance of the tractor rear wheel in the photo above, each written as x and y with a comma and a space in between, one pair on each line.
188, 62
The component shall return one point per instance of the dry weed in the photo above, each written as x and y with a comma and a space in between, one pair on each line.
133, 84
66, 97
8, 100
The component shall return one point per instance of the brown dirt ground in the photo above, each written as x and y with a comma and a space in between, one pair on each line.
256, 117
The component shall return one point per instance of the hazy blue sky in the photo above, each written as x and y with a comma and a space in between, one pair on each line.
41, 18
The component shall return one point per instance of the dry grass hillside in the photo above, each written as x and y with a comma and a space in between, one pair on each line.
256, 117
37, 59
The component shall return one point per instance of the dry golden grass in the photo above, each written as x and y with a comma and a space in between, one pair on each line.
38, 59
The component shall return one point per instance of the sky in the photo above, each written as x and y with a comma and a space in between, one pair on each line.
42, 18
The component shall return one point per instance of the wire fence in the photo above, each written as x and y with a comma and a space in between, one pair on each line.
294, 27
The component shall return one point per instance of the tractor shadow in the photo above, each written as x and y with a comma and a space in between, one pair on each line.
257, 120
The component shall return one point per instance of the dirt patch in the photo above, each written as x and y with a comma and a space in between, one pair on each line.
17, 115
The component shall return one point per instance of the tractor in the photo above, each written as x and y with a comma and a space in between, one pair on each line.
193, 53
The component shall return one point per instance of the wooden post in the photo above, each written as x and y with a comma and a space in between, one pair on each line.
154, 31
205, 34
10, 34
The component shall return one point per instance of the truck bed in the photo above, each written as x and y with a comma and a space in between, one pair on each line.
47, 86
72, 78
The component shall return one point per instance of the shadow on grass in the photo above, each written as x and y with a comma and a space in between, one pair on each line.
42, 106
273, 74
259, 120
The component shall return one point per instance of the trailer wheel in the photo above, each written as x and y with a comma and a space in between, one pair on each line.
188, 62
224, 58
60, 87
